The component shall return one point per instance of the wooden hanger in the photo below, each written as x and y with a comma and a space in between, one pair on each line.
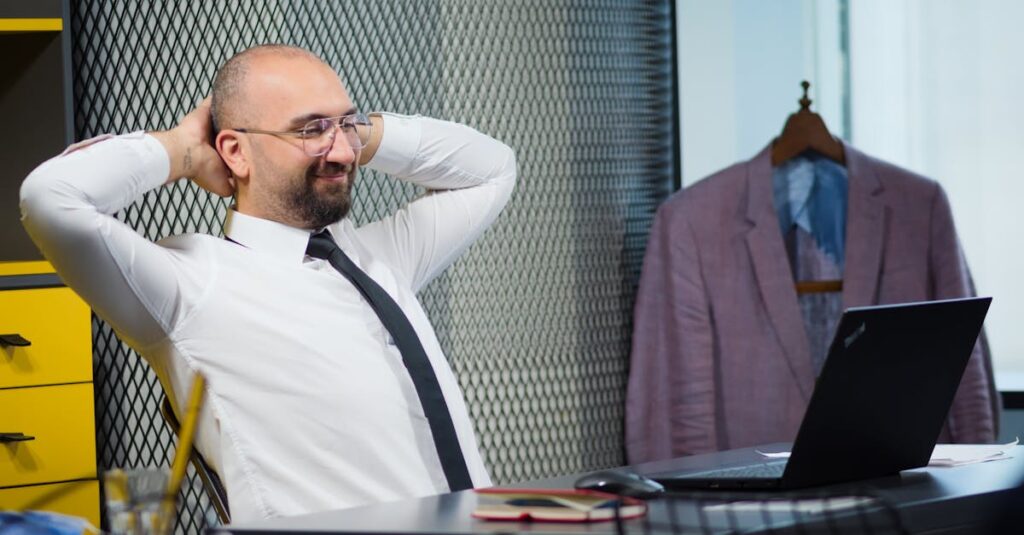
805, 130
818, 287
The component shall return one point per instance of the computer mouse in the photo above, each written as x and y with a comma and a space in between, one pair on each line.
621, 483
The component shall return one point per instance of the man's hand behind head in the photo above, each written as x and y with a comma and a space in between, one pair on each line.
190, 148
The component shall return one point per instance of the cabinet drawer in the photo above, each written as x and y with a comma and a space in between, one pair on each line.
61, 420
33, 267
76, 498
58, 325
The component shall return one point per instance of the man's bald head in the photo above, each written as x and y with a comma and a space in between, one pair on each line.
229, 105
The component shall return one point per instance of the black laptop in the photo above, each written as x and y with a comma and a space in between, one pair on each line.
879, 404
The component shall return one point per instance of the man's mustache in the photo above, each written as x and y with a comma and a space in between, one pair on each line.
330, 169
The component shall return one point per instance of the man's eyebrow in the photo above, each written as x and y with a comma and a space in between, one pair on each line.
301, 120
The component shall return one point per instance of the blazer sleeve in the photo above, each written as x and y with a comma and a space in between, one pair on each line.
670, 408
972, 417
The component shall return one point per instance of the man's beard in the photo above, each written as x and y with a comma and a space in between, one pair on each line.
321, 207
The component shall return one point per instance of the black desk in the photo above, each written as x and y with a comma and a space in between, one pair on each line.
928, 500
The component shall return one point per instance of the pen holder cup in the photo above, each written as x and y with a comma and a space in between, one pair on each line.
135, 504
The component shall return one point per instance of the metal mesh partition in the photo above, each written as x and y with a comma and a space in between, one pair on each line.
536, 317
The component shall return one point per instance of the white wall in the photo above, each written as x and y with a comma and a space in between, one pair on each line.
938, 88
741, 63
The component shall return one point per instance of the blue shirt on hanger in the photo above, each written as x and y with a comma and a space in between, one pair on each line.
810, 191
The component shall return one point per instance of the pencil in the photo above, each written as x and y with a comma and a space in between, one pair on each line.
184, 450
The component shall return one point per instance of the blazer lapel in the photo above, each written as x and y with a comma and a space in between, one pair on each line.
774, 276
865, 231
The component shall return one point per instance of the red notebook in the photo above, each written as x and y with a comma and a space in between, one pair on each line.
554, 505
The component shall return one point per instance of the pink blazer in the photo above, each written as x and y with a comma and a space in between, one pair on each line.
720, 355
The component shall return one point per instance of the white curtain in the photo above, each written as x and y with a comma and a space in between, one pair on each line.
937, 86
740, 67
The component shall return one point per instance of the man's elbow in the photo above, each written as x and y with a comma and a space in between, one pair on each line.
40, 186
507, 169
34, 193
44, 194
507, 172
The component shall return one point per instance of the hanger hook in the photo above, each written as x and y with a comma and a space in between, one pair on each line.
805, 103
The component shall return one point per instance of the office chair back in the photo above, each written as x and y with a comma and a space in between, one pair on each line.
215, 491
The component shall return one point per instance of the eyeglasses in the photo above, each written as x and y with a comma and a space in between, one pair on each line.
318, 135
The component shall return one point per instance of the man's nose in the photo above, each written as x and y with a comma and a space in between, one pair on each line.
341, 150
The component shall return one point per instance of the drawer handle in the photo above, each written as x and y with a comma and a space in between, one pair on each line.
6, 438
15, 340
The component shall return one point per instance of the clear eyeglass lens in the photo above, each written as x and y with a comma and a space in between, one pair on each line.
319, 134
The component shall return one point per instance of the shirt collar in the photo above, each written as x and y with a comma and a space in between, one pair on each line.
265, 236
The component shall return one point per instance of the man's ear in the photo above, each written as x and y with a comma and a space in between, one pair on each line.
229, 145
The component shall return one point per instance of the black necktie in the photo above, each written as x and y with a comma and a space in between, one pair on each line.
413, 356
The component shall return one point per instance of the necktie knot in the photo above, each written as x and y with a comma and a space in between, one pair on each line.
321, 245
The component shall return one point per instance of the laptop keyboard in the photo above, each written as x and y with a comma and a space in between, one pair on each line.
760, 470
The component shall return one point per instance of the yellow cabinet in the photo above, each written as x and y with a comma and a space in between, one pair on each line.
53, 322
47, 429
59, 421
76, 498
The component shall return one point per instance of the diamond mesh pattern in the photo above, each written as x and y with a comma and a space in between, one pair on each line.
536, 317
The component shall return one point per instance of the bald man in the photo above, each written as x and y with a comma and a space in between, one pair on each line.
327, 387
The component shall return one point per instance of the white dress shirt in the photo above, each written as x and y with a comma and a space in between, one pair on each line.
309, 406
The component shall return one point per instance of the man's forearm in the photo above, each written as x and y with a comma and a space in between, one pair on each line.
179, 154
67, 205
471, 177
440, 155
191, 153
373, 139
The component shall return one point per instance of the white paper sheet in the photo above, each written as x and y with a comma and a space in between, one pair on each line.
806, 506
775, 455
946, 454
961, 454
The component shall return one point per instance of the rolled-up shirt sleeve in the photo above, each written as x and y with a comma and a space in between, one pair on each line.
469, 179
67, 207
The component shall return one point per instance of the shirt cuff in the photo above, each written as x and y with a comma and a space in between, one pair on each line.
141, 157
156, 163
399, 145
